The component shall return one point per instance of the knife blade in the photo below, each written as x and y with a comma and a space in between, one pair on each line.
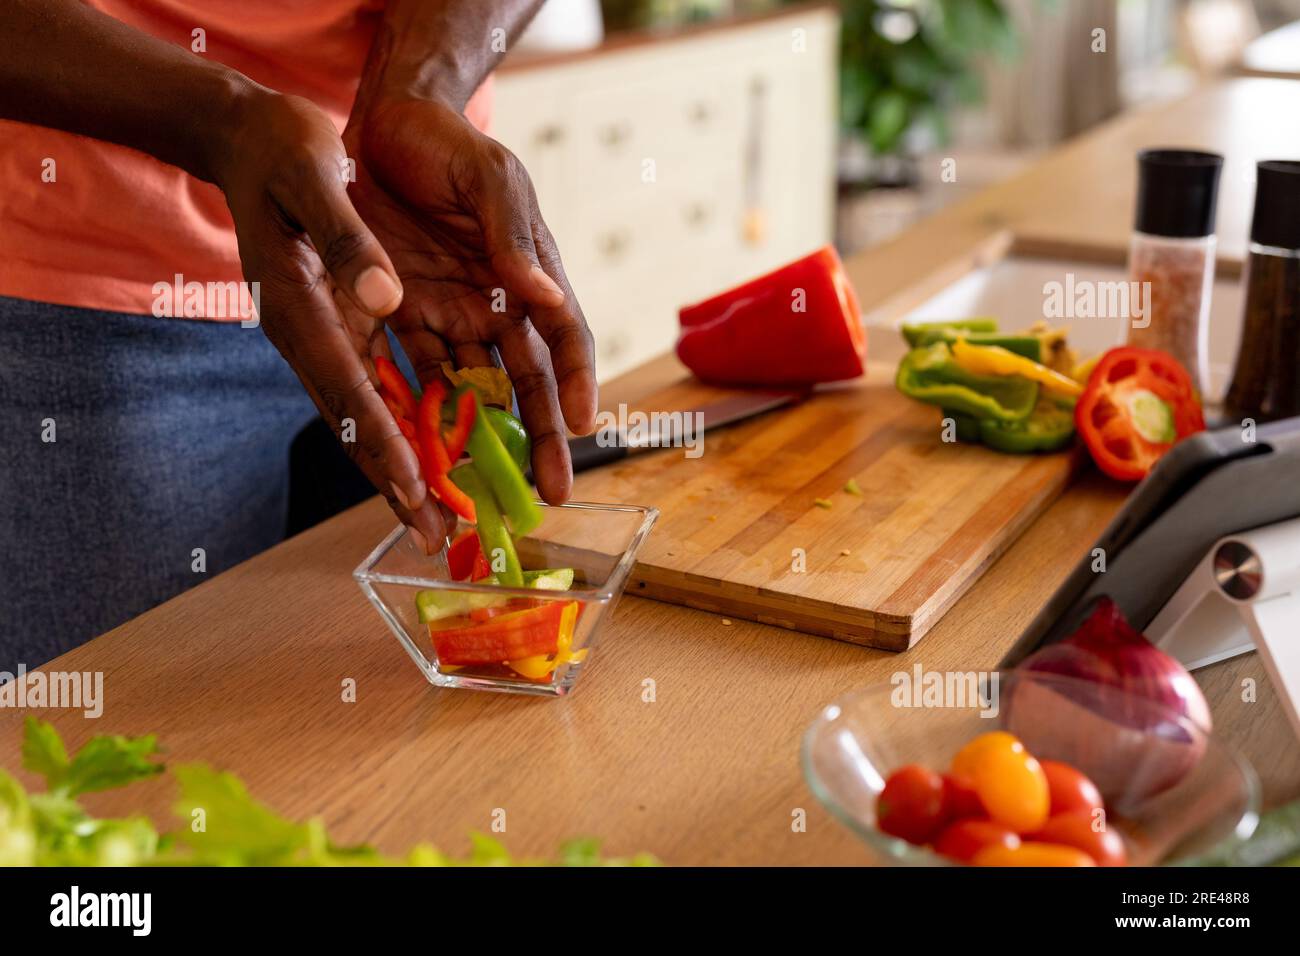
672, 429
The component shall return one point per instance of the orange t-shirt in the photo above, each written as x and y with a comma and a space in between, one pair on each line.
113, 222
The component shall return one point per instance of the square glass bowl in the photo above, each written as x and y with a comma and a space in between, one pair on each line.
599, 542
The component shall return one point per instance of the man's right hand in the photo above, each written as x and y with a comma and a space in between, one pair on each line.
325, 283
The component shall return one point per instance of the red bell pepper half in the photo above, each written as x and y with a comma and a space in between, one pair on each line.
506, 637
1137, 404
434, 456
796, 326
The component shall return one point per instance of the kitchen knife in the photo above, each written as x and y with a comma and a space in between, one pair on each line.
669, 430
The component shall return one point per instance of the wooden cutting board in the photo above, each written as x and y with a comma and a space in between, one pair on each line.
740, 533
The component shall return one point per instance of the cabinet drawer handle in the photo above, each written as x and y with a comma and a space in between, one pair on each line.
698, 214
615, 135
613, 346
612, 245
700, 113
549, 135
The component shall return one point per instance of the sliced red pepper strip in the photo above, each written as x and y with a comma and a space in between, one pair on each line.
406, 428
393, 405
463, 556
394, 388
453, 497
1137, 405
433, 454
458, 437
506, 637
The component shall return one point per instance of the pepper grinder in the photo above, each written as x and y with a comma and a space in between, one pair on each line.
1172, 255
1266, 378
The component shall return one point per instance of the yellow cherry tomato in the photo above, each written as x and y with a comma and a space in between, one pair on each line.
1032, 854
1010, 783
964, 764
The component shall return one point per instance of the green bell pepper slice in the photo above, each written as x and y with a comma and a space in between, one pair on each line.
1030, 346
502, 475
975, 331
930, 374
513, 435
916, 332
492, 532
1050, 427
509, 429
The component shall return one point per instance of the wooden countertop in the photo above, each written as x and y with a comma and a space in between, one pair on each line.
246, 671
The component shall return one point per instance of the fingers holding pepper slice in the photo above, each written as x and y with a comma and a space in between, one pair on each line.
1137, 404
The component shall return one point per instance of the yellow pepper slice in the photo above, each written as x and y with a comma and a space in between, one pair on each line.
539, 666
995, 360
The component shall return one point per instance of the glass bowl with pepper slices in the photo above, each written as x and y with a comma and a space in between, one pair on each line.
514, 600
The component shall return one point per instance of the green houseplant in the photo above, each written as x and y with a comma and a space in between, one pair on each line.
904, 64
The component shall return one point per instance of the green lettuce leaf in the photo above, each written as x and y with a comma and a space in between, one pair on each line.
222, 824
104, 763
225, 826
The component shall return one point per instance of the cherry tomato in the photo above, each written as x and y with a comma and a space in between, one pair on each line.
1032, 854
965, 838
1010, 783
963, 765
960, 801
1070, 789
911, 805
1080, 829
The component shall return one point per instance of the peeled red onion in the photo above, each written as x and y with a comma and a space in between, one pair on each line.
1116, 718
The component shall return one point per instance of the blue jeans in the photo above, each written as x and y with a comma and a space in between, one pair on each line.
129, 443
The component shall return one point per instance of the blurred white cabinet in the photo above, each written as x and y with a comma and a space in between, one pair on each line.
669, 169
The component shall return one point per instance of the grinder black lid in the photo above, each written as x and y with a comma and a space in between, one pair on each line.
1277, 204
1177, 192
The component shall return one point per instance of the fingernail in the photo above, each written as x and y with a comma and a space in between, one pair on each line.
377, 290
545, 282
401, 495
420, 540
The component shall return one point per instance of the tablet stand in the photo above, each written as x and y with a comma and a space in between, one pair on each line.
1243, 596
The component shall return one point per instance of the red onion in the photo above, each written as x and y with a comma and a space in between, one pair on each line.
1119, 723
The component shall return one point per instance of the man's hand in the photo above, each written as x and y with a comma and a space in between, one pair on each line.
326, 283
456, 212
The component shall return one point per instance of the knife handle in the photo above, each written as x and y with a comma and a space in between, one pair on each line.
587, 453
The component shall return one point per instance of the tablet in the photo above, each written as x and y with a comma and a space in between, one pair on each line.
1208, 486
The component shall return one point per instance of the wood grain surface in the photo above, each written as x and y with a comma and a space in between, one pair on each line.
741, 531
245, 671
